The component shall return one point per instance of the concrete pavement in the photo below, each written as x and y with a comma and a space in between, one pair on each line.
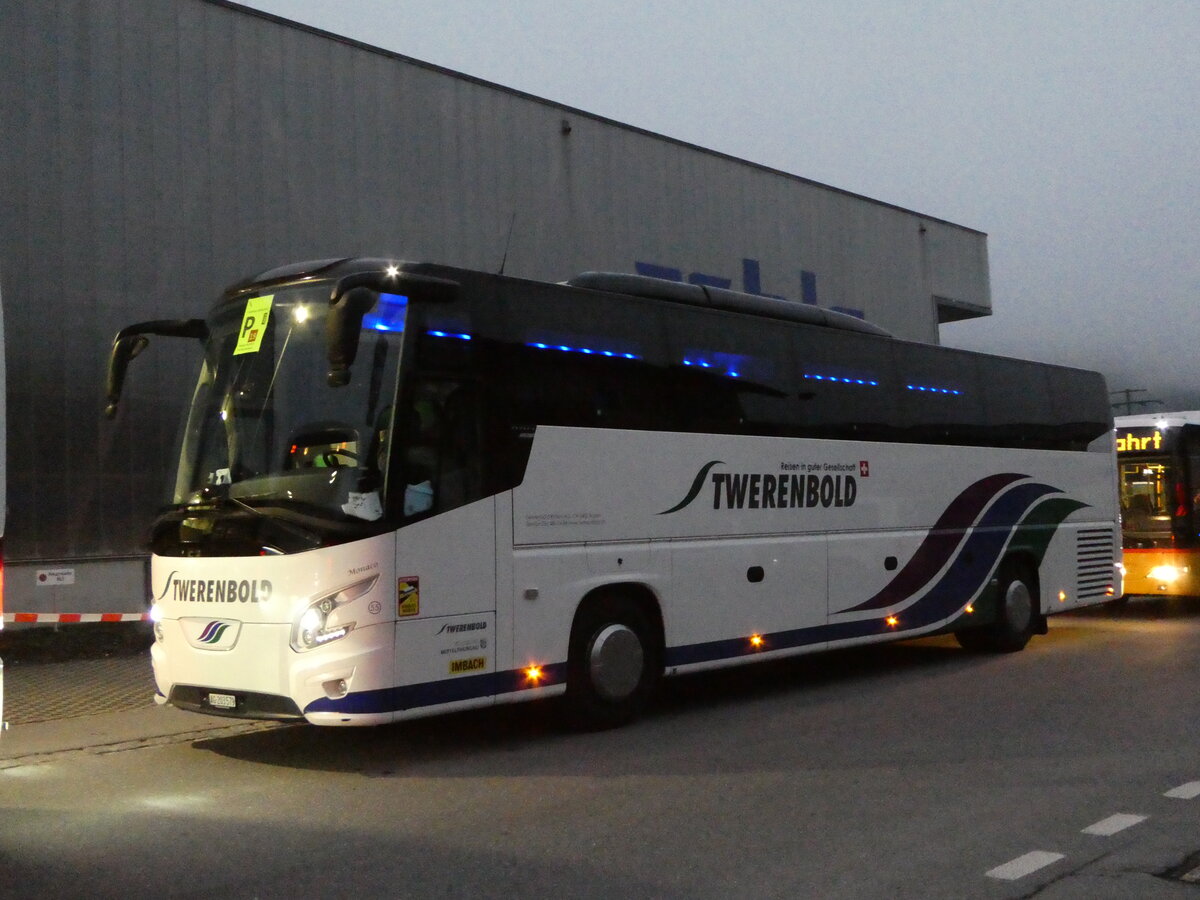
61, 706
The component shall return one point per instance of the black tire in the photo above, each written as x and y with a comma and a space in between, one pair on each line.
614, 663
1016, 614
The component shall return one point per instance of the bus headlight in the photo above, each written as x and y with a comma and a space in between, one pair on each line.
326, 619
1165, 574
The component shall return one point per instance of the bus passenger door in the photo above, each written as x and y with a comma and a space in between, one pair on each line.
445, 605
446, 553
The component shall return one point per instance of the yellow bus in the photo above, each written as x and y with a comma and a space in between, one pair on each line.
1158, 462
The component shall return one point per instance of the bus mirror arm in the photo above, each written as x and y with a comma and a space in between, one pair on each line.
342, 327
131, 341
355, 295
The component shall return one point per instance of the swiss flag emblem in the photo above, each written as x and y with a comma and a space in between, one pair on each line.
864, 469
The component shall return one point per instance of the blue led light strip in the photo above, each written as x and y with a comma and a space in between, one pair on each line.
450, 334
586, 351
704, 364
926, 389
866, 382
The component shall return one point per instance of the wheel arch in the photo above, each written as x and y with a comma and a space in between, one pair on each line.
616, 631
635, 592
1029, 562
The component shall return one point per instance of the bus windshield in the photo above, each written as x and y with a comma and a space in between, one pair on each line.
266, 429
1146, 501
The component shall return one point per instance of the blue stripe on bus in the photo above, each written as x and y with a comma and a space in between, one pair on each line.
435, 693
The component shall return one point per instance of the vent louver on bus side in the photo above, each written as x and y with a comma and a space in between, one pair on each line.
1095, 562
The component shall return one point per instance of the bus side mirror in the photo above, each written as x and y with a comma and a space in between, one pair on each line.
356, 295
131, 341
342, 329
124, 349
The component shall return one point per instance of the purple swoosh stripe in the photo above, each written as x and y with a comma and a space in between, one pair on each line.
940, 543
981, 554
208, 630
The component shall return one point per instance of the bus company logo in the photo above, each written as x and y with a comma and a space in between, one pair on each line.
835, 487
213, 632
473, 664
216, 590
462, 628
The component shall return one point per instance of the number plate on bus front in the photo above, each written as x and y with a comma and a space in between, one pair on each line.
222, 701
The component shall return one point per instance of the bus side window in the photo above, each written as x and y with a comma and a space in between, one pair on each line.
419, 460
460, 478
845, 389
1193, 481
439, 434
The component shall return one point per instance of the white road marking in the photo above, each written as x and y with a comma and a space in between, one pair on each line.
1114, 823
1189, 791
1024, 865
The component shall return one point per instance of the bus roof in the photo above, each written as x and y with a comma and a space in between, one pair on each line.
763, 306
1159, 419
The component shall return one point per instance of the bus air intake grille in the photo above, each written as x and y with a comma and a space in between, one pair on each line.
1095, 562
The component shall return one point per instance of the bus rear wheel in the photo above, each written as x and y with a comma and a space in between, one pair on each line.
613, 665
1017, 611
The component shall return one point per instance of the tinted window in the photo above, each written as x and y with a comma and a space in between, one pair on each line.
548, 355
1080, 401
939, 395
577, 323
1017, 402
730, 374
845, 384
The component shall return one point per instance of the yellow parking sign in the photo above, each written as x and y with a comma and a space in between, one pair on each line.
254, 324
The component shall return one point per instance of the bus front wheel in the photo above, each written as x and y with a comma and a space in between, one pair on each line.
613, 664
1017, 611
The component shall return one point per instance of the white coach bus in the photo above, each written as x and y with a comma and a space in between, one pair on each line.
409, 488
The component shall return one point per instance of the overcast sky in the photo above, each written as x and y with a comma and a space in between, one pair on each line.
1065, 129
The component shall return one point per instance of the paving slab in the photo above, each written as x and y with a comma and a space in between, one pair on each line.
129, 729
89, 688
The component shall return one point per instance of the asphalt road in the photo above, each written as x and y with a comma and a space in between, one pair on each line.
1069, 770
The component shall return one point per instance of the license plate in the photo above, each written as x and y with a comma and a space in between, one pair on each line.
222, 701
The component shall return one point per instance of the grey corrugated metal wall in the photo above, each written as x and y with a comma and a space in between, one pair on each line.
152, 152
